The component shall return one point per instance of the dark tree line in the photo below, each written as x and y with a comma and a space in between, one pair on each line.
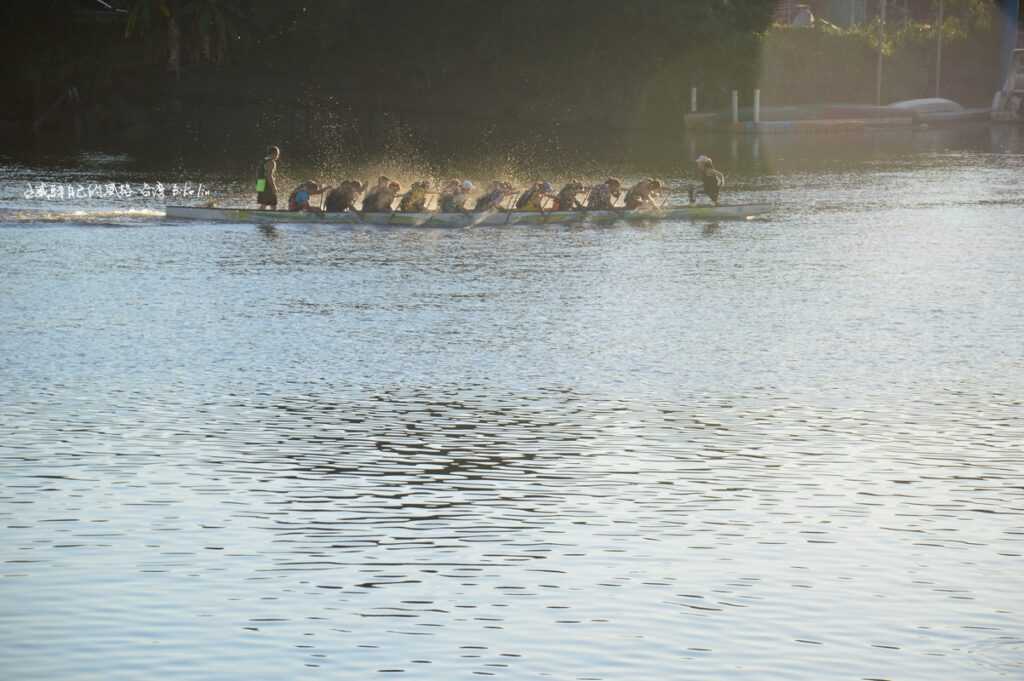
570, 61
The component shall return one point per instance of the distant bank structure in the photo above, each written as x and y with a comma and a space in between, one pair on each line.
922, 79
847, 13
1008, 103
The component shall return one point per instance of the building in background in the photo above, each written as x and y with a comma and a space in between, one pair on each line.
846, 13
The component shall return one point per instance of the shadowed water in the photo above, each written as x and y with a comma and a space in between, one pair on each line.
785, 448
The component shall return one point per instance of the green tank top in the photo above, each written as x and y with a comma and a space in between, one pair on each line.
261, 176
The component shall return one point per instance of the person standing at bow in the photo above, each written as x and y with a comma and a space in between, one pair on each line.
266, 180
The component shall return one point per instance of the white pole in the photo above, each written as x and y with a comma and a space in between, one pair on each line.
878, 70
693, 100
938, 53
735, 106
757, 105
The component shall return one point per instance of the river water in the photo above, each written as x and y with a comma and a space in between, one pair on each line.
788, 448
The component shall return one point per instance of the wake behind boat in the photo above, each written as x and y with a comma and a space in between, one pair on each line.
496, 218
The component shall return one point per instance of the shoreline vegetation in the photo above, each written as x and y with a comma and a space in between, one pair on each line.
389, 78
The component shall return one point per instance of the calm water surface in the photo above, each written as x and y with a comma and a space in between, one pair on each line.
782, 449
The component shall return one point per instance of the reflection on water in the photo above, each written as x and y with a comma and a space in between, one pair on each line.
1007, 139
749, 161
720, 450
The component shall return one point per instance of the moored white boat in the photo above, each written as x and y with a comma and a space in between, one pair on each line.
490, 219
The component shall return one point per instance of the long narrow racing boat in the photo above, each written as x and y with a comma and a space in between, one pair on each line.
490, 219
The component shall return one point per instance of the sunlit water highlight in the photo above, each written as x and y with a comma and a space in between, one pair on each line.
787, 448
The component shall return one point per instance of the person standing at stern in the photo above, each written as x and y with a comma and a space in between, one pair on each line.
711, 179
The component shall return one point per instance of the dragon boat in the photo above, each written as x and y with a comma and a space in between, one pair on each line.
499, 218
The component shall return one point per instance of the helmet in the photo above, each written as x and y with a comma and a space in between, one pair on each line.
546, 187
467, 185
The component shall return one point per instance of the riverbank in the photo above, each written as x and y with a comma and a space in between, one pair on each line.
839, 118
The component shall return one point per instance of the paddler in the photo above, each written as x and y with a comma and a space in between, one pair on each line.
266, 180
533, 198
299, 198
604, 195
492, 199
415, 200
381, 198
370, 200
712, 180
386, 198
566, 199
343, 197
448, 189
455, 195
641, 196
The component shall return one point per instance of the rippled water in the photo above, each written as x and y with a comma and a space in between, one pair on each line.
787, 448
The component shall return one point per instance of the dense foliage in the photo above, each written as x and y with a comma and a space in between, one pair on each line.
363, 73
529, 63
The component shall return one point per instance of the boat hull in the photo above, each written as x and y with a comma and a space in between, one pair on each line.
461, 220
